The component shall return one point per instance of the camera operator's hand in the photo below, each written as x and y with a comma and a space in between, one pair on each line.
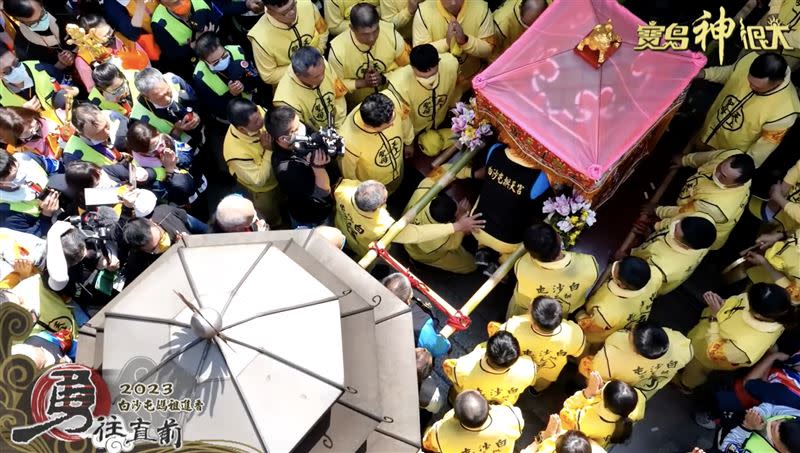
320, 158
235, 87
169, 160
469, 223
50, 204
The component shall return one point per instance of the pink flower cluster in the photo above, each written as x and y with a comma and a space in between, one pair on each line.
468, 133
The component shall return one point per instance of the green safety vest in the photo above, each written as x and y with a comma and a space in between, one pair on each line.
30, 207
179, 31
89, 154
140, 111
211, 79
97, 97
42, 85
757, 443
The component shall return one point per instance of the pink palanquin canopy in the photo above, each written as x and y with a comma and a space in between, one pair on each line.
585, 127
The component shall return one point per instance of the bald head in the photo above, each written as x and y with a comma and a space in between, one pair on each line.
235, 213
332, 235
471, 409
370, 196
399, 285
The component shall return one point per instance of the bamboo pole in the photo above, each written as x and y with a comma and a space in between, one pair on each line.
444, 156
486, 288
409, 216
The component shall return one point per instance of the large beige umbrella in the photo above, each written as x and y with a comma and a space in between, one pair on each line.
288, 343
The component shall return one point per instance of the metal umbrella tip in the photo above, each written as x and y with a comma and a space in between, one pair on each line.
206, 323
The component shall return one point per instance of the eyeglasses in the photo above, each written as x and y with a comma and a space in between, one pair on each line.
14, 65
118, 91
35, 128
224, 56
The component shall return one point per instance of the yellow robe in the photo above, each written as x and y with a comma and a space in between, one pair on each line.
704, 193
740, 119
619, 360
590, 416
471, 372
361, 228
420, 100
501, 430
443, 253
784, 256
376, 155
548, 351
674, 262
337, 13
308, 102
396, 12
788, 218
568, 279
735, 339
788, 14
53, 311
508, 20
612, 308
351, 60
274, 43
549, 446
430, 27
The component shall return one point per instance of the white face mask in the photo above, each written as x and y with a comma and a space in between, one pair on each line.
429, 82
222, 64
18, 75
43, 23
95, 142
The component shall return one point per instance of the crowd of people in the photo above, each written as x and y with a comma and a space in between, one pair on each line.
121, 120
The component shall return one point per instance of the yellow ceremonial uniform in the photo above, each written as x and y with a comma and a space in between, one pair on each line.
274, 43
500, 432
508, 20
618, 360
704, 193
788, 14
314, 104
675, 262
471, 372
337, 13
742, 119
568, 280
376, 155
53, 312
612, 308
784, 256
549, 446
733, 339
251, 165
430, 27
351, 59
361, 228
590, 416
788, 217
444, 253
549, 351
396, 12
428, 101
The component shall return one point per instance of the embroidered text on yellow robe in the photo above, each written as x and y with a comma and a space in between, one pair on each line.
568, 280
548, 350
591, 417
274, 43
351, 59
618, 360
314, 104
704, 193
500, 432
376, 155
361, 228
742, 119
471, 372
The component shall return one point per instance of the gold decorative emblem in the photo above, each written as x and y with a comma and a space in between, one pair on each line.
602, 40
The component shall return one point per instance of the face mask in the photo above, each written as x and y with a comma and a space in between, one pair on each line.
43, 23
17, 75
301, 130
222, 64
183, 8
429, 82
163, 244
95, 142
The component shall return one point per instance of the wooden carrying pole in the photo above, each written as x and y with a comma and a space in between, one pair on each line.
486, 288
409, 216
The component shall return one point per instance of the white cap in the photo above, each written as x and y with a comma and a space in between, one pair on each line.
145, 203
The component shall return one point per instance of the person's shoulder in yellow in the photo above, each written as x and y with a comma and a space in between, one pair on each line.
677, 249
625, 298
604, 411
338, 12
561, 441
512, 18
473, 423
495, 369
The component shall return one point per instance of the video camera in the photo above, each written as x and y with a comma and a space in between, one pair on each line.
99, 229
326, 139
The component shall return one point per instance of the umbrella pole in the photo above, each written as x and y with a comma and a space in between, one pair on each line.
486, 288
409, 216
